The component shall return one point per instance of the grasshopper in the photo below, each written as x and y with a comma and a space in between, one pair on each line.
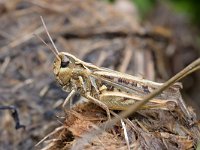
109, 89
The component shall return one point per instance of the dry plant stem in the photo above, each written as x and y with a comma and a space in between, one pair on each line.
5, 65
21, 40
133, 108
125, 134
50, 134
186, 71
101, 58
47, 6
128, 54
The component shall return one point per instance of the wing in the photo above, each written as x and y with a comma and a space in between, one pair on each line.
134, 84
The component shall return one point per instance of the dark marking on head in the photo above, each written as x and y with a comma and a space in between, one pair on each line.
64, 64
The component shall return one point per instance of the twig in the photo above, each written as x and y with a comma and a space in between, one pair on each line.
127, 58
101, 58
22, 84
21, 40
14, 115
50, 134
125, 134
4, 65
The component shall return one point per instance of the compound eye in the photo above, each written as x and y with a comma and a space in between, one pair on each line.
64, 64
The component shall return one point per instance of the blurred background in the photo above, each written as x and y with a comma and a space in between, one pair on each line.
147, 38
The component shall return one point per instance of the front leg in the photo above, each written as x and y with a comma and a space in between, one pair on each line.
70, 95
99, 103
90, 98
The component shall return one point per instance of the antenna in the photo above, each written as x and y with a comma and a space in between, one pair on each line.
55, 50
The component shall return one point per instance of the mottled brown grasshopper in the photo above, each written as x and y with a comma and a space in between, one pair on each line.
107, 88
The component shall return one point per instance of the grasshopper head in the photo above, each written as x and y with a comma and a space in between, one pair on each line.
62, 66
62, 69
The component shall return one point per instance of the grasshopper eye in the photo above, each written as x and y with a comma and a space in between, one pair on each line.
64, 64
